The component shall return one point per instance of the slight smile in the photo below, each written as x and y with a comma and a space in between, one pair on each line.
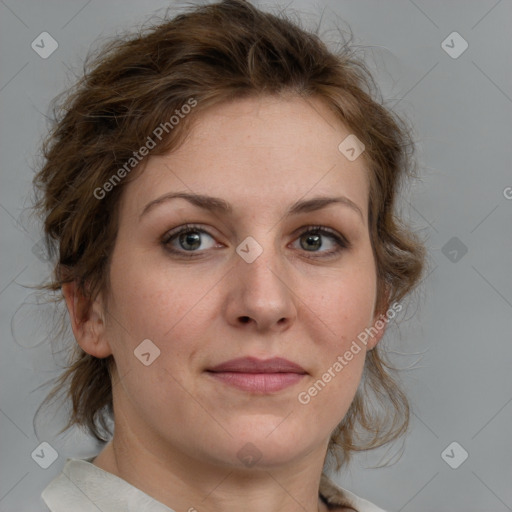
258, 376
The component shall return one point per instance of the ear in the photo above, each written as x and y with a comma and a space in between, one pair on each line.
380, 322
377, 331
87, 321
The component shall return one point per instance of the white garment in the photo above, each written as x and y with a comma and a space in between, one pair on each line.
84, 487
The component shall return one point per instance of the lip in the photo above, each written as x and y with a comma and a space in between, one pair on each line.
255, 365
258, 376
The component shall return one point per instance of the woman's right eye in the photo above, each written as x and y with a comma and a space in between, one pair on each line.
187, 239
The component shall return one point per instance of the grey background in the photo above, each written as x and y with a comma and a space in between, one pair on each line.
454, 343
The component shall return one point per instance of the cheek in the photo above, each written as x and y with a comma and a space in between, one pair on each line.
346, 308
327, 396
346, 305
157, 303
149, 304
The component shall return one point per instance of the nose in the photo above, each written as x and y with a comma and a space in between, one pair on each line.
260, 294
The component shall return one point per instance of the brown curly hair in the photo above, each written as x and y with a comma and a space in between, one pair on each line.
213, 54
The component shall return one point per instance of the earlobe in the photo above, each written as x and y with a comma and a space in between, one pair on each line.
87, 321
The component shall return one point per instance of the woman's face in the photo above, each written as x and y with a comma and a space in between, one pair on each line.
251, 279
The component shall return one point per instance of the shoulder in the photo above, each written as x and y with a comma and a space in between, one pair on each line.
338, 498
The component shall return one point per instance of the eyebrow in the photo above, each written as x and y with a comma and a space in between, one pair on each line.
220, 206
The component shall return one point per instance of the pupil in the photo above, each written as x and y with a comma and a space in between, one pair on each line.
315, 240
191, 238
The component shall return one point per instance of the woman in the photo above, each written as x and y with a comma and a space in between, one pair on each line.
220, 192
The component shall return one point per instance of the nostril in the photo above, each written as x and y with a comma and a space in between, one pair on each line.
244, 319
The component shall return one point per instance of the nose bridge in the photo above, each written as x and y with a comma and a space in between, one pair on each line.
260, 284
261, 266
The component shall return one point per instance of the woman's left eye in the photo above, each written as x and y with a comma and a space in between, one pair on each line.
313, 236
189, 239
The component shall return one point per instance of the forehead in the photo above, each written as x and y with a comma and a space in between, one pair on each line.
258, 150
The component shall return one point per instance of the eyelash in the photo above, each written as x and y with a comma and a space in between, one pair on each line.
341, 242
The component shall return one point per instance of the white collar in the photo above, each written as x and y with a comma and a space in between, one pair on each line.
84, 487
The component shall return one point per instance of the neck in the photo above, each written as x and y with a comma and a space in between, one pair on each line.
183, 483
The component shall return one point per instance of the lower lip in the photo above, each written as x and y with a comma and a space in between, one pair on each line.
258, 382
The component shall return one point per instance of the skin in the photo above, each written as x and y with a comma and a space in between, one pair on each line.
177, 430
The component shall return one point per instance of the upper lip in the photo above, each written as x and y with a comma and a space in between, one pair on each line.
254, 365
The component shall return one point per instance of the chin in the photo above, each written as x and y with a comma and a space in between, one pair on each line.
266, 447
